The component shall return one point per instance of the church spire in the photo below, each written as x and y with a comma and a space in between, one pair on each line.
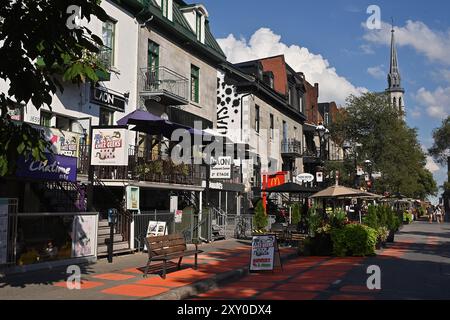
394, 79
395, 89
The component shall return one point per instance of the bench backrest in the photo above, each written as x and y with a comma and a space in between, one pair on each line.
162, 245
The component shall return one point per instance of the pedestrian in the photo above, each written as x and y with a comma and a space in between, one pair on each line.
430, 211
438, 213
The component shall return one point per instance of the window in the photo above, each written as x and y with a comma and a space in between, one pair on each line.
106, 117
291, 96
165, 8
400, 102
153, 55
108, 34
64, 123
327, 118
195, 84
295, 133
394, 101
271, 82
46, 119
300, 102
198, 21
271, 126
257, 118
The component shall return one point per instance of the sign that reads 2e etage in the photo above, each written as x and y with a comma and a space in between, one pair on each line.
109, 147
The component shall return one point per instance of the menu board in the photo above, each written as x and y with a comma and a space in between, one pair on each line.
3, 231
263, 253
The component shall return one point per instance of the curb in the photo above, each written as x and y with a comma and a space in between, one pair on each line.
203, 286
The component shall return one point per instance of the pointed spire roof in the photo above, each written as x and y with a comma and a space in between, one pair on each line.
394, 79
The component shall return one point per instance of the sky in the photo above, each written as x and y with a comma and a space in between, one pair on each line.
330, 42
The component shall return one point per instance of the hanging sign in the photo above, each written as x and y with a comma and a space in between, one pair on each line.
221, 169
103, 97
109, 147
319, 176
263, 253
304, 177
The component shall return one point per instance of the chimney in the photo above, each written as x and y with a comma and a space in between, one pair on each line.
316, 88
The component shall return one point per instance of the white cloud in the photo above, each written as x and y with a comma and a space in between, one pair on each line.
377, 72
431, 165
441, 75
367, 49
435, 45
265, 43
436, 103
415, 112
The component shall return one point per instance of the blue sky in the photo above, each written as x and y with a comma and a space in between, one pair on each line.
338, 51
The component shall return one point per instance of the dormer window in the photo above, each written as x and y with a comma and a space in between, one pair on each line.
198, 25
196, 16
166, 8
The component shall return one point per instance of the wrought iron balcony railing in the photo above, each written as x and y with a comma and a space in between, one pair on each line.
164, 85
291, 147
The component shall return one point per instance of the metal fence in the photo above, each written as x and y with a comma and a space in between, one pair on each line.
195, 227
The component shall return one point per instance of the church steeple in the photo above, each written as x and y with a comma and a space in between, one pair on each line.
395, 89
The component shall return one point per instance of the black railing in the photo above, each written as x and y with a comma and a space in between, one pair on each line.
291, 146
164, 80
144, 166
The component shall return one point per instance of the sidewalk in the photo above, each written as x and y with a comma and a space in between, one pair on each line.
416, 266
222, 261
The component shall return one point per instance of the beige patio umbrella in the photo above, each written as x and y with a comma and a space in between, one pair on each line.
338, 192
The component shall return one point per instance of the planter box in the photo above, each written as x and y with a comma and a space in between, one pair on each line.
391, 237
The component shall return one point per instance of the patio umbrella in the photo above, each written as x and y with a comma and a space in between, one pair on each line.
147, 122
291, 187
339, 191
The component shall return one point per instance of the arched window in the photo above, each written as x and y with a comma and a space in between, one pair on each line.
400, 102
394, 102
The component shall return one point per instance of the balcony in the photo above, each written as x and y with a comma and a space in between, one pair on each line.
311, 156
164, 86
147, 167
291, 148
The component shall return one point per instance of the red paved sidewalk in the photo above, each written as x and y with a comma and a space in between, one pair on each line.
129, 283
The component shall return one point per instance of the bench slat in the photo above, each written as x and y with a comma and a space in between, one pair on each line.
165, 251
163, 238
176, 255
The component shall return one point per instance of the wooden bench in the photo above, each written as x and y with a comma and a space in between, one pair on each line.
165, 248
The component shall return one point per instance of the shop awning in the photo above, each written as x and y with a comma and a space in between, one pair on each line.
339, 192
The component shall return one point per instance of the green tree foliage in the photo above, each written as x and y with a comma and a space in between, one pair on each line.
387, 141
39, 53
296, 213
440, 150
260, 220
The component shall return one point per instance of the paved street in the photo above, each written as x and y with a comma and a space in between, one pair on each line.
416, 266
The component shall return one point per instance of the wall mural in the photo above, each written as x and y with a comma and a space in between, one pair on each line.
228, 108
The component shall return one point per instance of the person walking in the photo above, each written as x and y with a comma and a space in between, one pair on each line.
438, 214
430, 212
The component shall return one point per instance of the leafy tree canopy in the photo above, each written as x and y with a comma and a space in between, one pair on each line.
440, 150
40, 55
371, 122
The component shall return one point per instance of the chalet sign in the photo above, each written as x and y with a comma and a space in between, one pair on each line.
103, 97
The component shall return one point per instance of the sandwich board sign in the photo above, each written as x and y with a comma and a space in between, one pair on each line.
264, 253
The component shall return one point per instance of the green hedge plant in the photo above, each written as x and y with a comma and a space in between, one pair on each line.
354, 240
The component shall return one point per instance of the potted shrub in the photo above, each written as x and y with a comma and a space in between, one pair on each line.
383, 233
260, 220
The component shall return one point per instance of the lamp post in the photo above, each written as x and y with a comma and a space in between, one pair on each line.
368, 165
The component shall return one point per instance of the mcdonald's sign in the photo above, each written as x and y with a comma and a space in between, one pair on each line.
270, 181
274, 180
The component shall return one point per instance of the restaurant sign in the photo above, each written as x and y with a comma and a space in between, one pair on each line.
53, 168
107, 99
109, 147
